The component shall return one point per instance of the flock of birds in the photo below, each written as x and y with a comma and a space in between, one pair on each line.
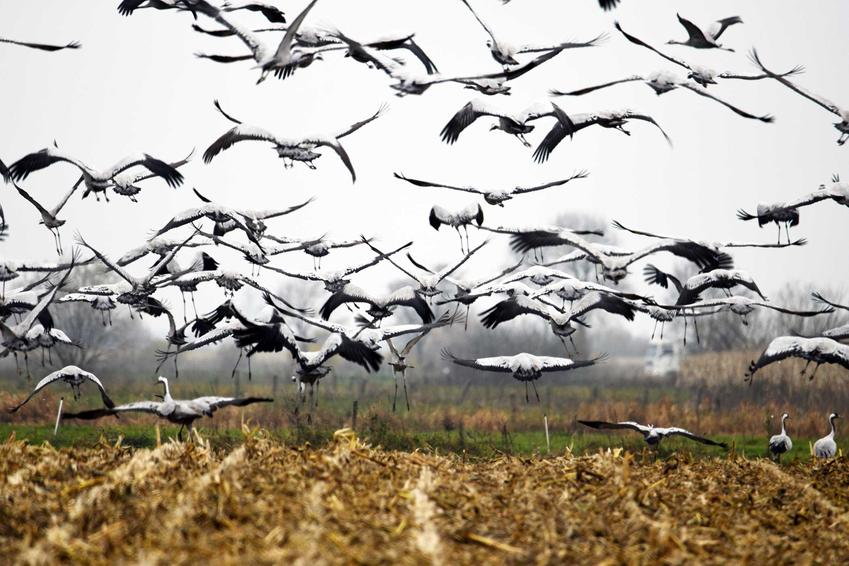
522, 288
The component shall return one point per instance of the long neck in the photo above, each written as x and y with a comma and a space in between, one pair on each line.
831, 421
783, 432
167, 391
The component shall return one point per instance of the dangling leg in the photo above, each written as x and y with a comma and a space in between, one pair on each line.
176, 369
249, 368
395, 396
574, 347
404, 379
662, 324
787, 230
563, 341
183, 296
131, 312
696, 326
233, 373
180, 433
685, 329
779, 232
534, 385
194, 305
654, 330
804, 369
527, 399
816, 367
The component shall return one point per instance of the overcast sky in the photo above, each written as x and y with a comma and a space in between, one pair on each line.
136, 86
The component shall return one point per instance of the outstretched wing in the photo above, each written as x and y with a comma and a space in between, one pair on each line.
464, 118
42, 46
508, 309
635, 40
629, 425
407, 296
499, 364
420, 183
827, 104
234, 135
702, 92
580, 91
522, 190
675, 431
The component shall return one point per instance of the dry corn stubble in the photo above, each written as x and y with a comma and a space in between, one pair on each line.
348, 502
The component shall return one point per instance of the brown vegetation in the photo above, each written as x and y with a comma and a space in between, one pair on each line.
264, 502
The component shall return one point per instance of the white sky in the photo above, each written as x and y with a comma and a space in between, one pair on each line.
136, 86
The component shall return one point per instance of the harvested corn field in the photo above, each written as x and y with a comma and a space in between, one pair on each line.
266, 502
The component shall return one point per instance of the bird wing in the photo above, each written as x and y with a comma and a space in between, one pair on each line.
324, 325
499, 364
378, 258
779, 349
724, 23
654, 276
348, 294
810, 198
579, 92
284, 48
135, 178
407, 296
214, 403
578, 175
675, 431
821, 299
646, 118
464, 118
44, 302
630, 425
42, 46
637, 41
266, 214
271, 13
38, 160
312, 276
702, 92
481, 22
382, 255
700, 254
509, 309
694, 31
557, 133
357, 125
336, 146
449, 269
152, 407
167, 258
191, 215
794, 312
43, 211
258, 49
420, 183
236, 134
825, 103
596, 300
157, 167
561, 46
215, 335
44, 382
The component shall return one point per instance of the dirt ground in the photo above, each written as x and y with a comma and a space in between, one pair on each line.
265, 502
